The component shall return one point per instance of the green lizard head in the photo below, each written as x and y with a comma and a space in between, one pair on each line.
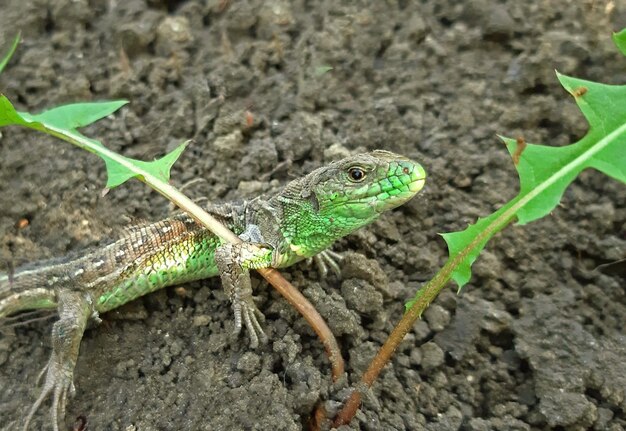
338, 198
363, 186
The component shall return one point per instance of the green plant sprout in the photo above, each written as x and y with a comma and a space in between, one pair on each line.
5, 59
544, 173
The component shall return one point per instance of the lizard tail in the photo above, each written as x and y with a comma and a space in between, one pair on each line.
16, 294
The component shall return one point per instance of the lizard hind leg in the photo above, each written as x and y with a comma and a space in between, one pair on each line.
67, 332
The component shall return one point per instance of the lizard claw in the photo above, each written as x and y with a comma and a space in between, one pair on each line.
330, 258
234, 262
58, 383
41, 374
66, 335
246, 312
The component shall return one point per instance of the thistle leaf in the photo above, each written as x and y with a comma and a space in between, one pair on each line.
545, 172
620, 40
75, 115
63, 122
118, 173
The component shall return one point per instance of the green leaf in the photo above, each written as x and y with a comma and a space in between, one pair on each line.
67, 117
321, 70
460, 244
8, 114
412, 302
5, 59
76, 115
119, 173
620, 40
545, 172
604, 106
63, 122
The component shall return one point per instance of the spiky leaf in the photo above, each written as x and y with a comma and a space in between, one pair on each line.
63, 123
545, 172
620, 40
75, 115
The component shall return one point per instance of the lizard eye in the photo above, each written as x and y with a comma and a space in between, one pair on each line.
356, 174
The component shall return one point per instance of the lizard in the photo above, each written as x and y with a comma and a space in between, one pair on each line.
299, 222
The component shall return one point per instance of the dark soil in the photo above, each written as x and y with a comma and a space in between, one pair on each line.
536, 341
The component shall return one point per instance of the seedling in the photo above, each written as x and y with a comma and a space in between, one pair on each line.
544, 172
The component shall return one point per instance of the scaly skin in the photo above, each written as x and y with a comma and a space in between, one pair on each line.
300, 222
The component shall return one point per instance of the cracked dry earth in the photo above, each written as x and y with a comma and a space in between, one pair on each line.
536, 341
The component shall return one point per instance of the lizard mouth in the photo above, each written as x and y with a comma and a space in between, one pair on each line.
417, 185
406, 179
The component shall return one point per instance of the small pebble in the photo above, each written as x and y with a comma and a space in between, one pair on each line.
432, 356
201, 320
437, 317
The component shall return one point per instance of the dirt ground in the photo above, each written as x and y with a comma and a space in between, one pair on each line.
536, 341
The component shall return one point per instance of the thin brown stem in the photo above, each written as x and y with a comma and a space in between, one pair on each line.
304, 307
430, 292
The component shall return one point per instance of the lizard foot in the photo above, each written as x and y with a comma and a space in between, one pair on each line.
246, 312
59, 383
74, 311
234, 262
330, 258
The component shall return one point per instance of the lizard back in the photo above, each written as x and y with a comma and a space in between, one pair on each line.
146, 258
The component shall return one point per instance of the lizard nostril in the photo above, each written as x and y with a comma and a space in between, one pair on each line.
406, 170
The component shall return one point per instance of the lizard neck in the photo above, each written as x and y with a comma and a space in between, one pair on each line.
307, 226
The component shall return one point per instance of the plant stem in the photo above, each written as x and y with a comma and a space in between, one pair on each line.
430, 292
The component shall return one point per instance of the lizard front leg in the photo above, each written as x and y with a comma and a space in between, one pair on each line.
327, 257
234, 262
74, 312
